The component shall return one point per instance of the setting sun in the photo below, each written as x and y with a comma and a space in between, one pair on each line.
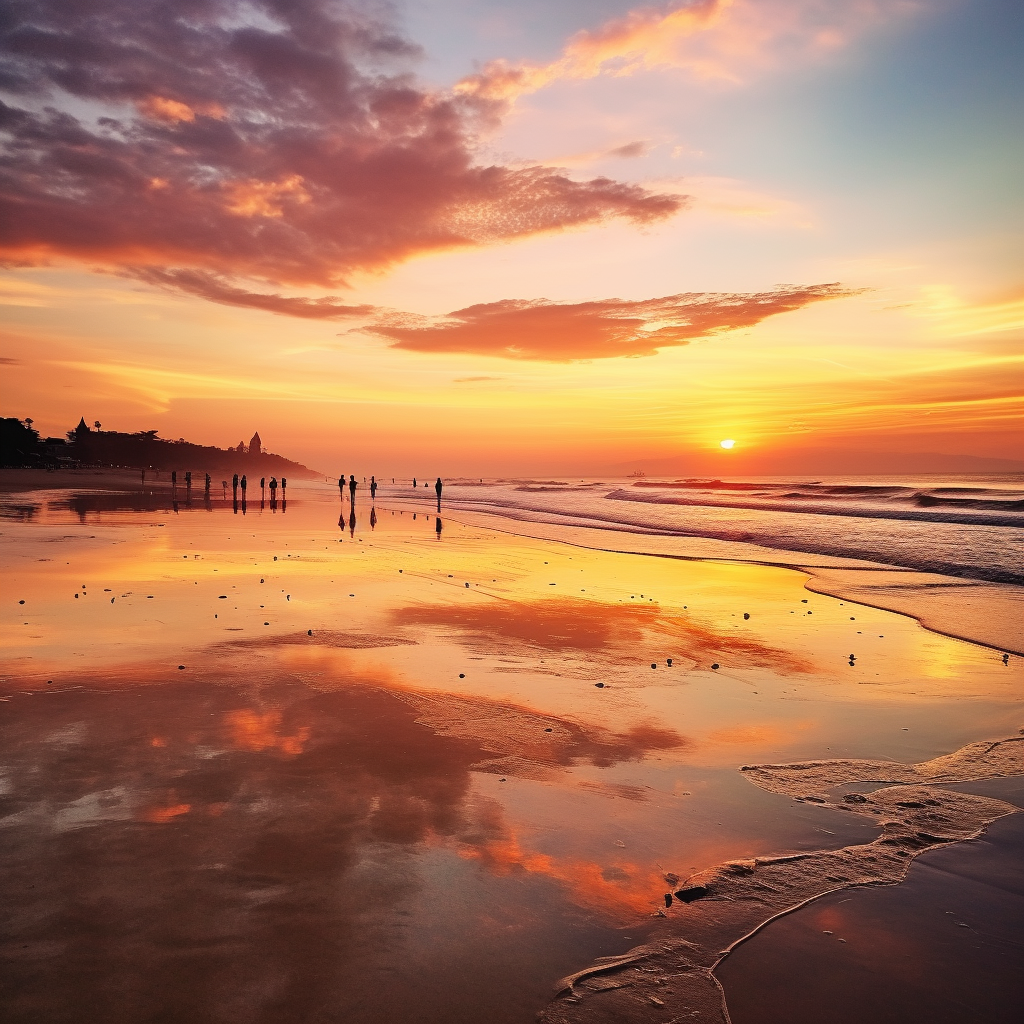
727, 443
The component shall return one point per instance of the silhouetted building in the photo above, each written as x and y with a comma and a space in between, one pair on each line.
256, 445
81, 429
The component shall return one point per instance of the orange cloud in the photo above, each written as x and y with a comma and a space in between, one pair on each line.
264, 198
163, 109
560, 332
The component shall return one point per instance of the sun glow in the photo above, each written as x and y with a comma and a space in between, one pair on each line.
727, 443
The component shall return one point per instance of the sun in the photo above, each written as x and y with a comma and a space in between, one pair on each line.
727, 443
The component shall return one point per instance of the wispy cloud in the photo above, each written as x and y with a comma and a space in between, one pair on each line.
729, 40
537, 329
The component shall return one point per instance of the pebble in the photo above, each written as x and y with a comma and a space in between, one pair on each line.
715, 665
599, 685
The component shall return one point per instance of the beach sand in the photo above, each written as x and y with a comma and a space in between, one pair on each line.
265, 765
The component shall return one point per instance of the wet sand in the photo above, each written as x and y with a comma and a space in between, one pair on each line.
972, 610
268, 766
944, 946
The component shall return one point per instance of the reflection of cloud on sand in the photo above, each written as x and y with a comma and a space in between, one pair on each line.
589, 628
288, 839
251, 730
617, 888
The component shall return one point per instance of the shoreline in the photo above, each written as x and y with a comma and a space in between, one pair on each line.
994, 622
974, 611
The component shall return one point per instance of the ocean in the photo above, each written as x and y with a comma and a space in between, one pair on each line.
968, 526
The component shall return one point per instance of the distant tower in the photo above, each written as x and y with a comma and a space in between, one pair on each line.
82, 428
256, 445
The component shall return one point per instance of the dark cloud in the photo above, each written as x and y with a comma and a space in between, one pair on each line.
282, 140
561, 332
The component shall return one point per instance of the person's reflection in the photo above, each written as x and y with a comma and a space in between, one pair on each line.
234, 504
437, 527
341, 521
284, 505
174, 503
188, 486
352, 523
243, 504
373, 518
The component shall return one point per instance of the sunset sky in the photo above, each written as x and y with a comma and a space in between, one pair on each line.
466, 236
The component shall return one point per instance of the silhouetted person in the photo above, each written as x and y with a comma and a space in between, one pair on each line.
174, 480
208, 482
414, 482
341, 485
188, 486
263, 488
438, 487
224, 488
284, 486
437, 527
245, 484
373, 488
234, 487
352, 485
273, 493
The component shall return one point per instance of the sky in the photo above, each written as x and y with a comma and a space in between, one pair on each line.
472, 237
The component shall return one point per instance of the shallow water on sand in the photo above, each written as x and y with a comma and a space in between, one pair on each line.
944, 946
272, 766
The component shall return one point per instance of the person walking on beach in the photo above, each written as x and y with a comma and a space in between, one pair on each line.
284, 486
174, 480
208, 482
438, 487
373, 488
234, 487
414, 483
273, 490
263, 487
245, 484
352, 485
341, 485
